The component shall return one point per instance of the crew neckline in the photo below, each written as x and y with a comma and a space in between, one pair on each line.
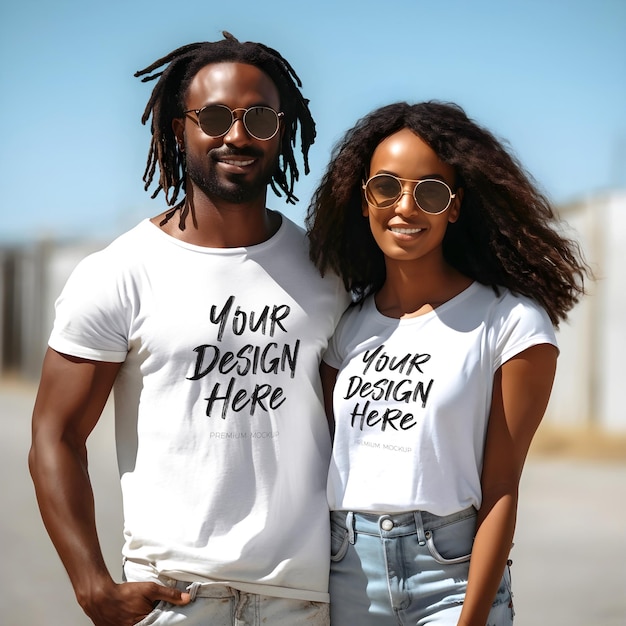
468, 291
160, 233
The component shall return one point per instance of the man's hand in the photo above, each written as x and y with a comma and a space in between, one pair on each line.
126, 604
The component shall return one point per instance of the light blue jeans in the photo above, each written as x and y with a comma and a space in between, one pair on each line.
407, 568
220, 605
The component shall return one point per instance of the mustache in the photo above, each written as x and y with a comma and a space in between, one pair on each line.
225, 153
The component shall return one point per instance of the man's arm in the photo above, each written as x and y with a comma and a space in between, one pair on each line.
70, 400
328, 376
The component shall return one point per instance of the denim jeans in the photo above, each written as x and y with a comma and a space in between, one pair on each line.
220, 605
407, 568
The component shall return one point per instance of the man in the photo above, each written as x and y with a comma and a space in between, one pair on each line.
210, 327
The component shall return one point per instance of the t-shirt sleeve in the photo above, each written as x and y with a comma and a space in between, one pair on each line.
336, 349
90, 313
523, 324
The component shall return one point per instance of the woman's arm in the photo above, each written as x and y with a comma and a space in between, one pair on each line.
521, 392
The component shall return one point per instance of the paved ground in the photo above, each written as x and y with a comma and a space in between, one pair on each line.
569, 557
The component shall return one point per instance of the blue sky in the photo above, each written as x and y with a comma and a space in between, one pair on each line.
548, 76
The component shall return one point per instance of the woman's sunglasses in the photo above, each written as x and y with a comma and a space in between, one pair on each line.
431, 195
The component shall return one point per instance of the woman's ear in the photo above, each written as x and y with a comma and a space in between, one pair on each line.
455, 209
365, 208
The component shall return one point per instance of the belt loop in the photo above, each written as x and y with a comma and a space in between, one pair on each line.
350, 526
419, 527
193, 590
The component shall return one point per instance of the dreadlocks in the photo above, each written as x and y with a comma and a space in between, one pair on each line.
167, 102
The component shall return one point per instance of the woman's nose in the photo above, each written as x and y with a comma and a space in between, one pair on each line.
406, 202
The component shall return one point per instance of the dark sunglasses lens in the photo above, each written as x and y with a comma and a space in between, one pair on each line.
261, 122
382, 191
432, 196
215, 120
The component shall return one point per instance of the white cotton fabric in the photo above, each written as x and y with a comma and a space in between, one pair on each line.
222, 442
412, 399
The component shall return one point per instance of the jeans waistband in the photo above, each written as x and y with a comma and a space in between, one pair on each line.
135, 571
208, 590
397, 524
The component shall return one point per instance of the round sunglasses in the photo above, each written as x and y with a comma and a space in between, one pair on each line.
216, 120
431, 195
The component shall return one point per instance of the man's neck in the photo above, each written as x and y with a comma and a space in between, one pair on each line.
223, 225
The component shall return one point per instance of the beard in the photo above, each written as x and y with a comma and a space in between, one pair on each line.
235, 189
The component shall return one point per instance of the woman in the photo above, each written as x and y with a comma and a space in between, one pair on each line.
440, 373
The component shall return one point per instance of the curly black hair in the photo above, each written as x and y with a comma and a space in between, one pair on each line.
167, 102
507, 234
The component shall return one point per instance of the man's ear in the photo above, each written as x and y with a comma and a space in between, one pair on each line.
455, 209
178, 126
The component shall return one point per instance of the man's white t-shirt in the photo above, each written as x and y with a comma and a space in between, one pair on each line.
222, 442
413, 395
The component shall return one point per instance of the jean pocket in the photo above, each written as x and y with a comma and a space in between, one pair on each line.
452, 543
338, 541
504, 595
152, 617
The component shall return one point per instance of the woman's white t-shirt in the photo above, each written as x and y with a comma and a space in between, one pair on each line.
413, 395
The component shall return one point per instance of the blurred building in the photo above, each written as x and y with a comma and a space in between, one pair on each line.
587, 390
591, 368
31, 277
